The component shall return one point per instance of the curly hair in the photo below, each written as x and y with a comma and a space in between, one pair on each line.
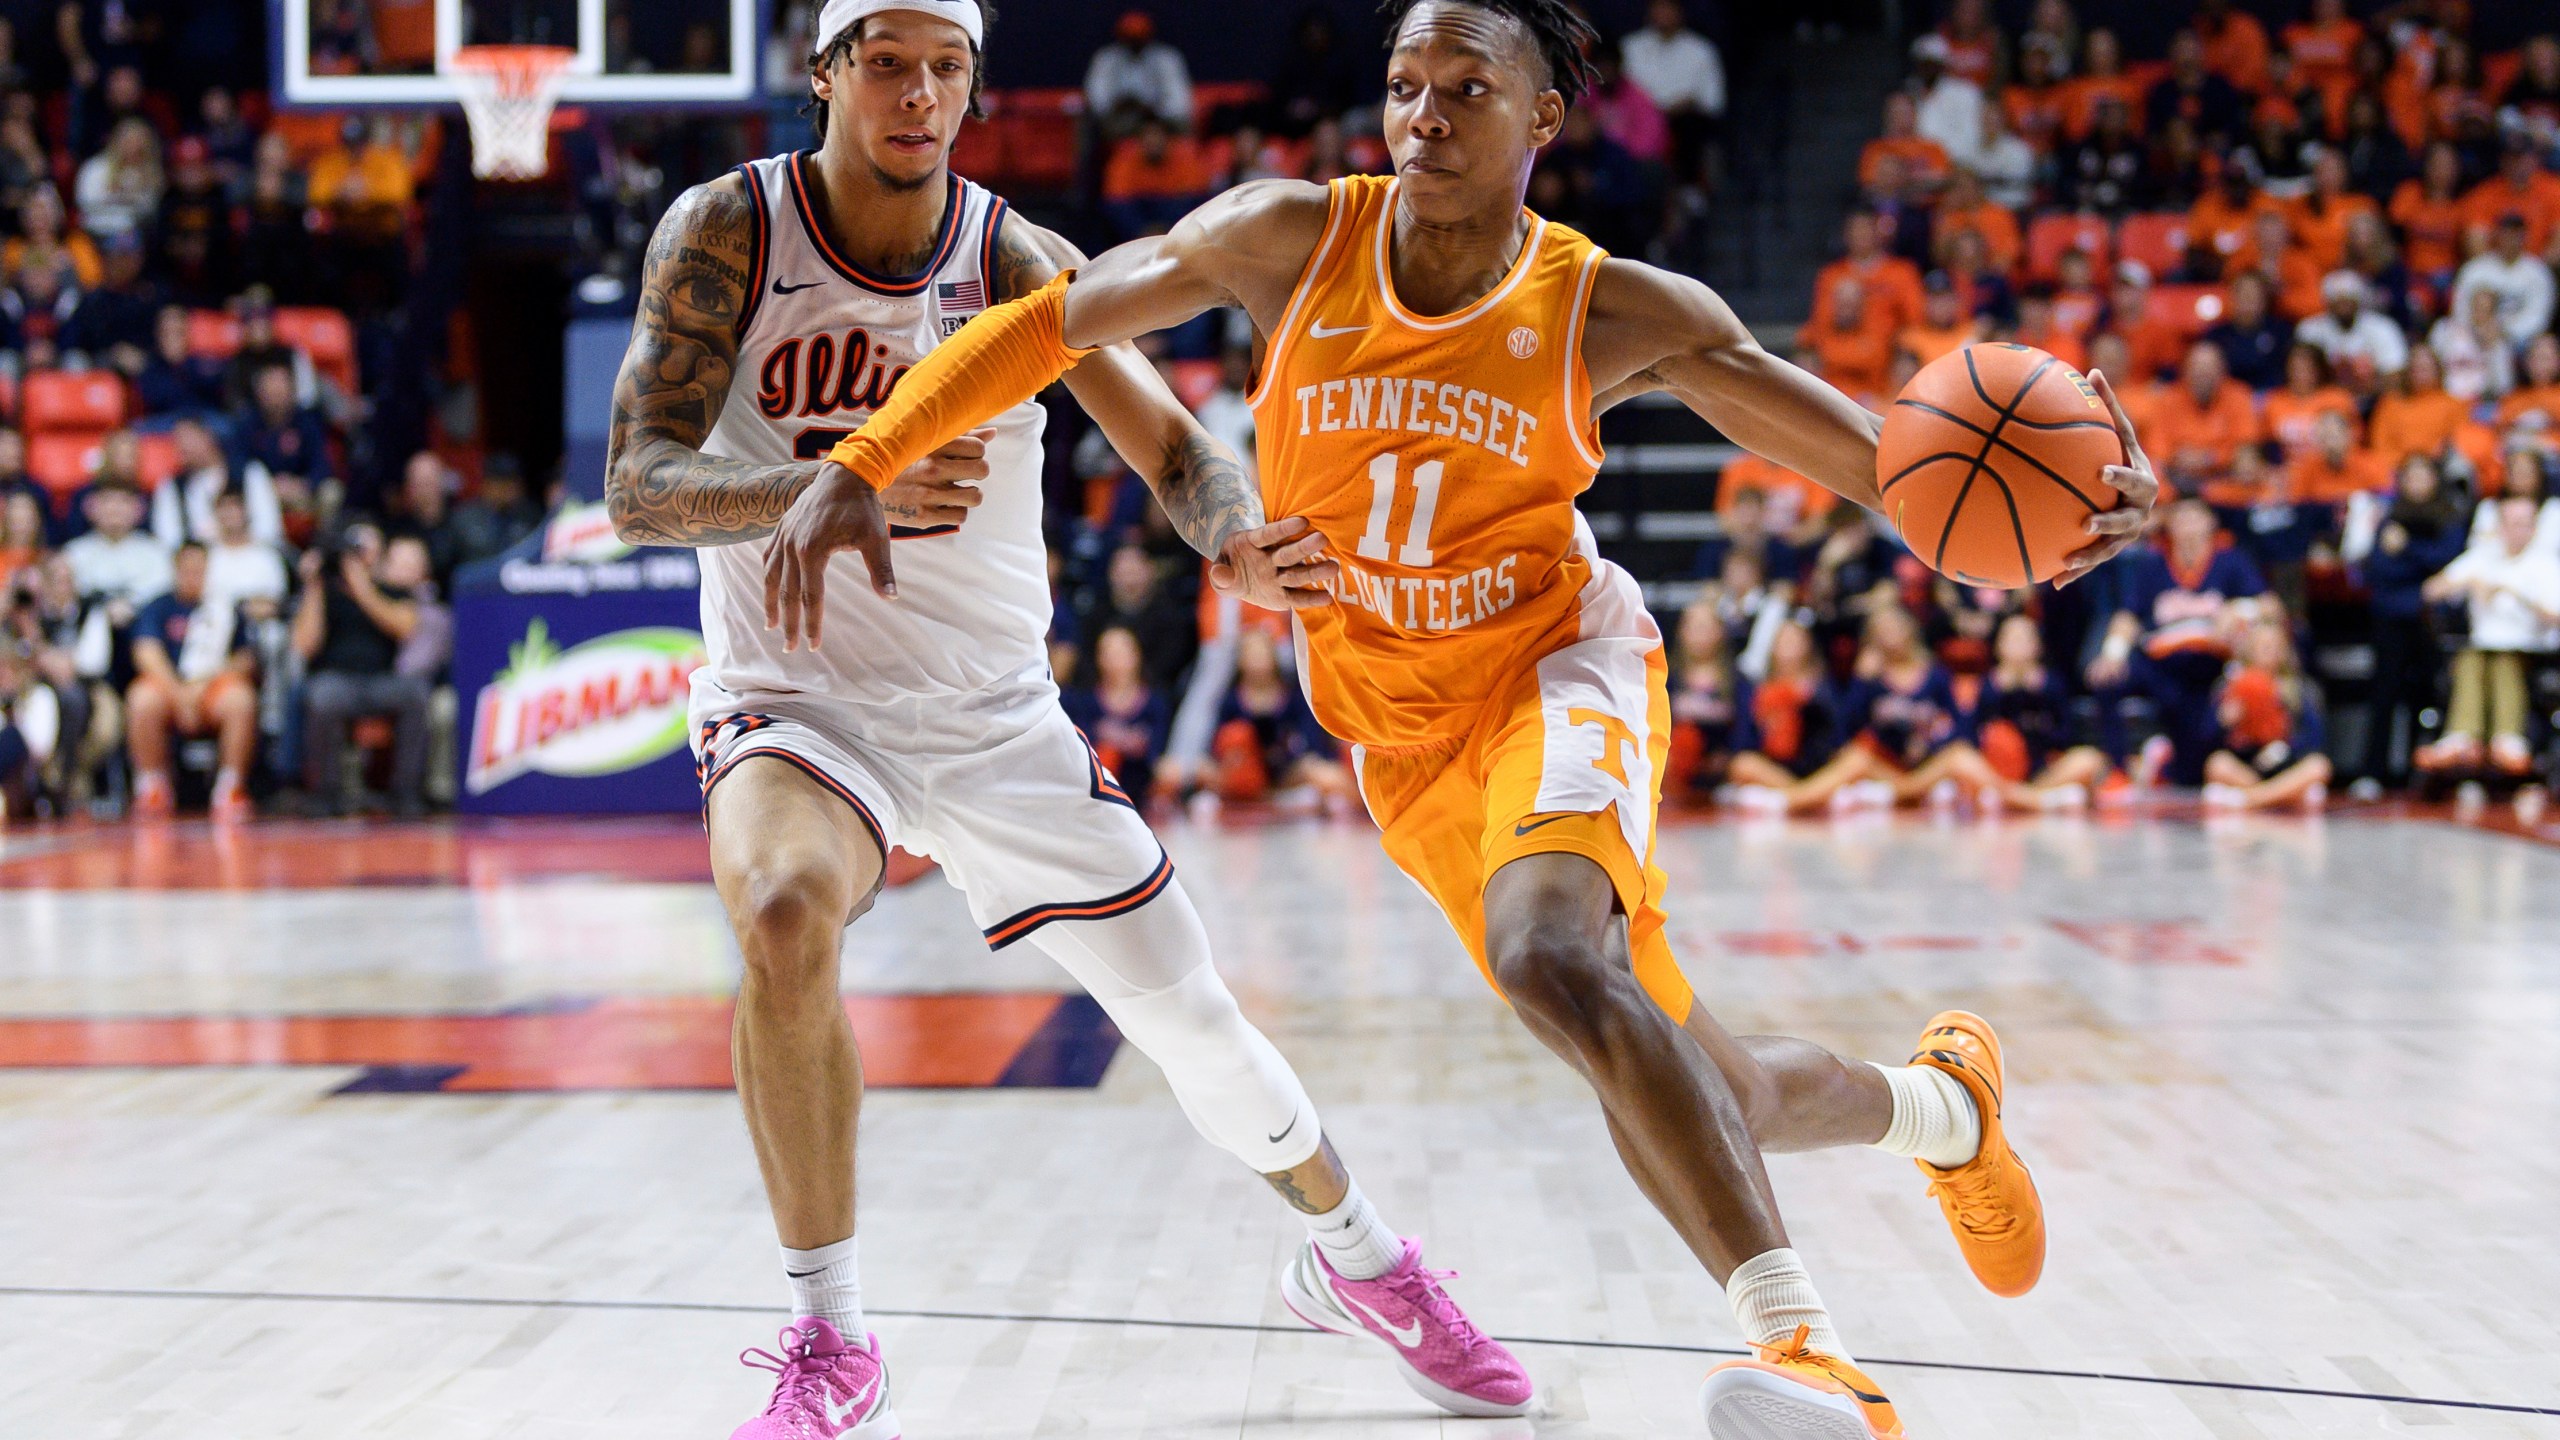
1565, 40
819, 60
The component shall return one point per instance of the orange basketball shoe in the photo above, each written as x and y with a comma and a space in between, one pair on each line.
1990, 1201
1794, 1392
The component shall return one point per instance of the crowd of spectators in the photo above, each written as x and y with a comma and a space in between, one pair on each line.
199, 590
2316, 262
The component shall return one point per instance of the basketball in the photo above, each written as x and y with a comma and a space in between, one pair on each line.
1991, 464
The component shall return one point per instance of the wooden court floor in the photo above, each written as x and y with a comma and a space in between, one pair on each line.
337, 1131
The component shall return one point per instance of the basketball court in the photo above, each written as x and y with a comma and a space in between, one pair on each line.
419, 1132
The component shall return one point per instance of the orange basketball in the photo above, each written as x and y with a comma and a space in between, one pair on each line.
1990, 464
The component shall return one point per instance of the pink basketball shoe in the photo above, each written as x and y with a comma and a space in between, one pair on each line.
829, 1390
1440, 1352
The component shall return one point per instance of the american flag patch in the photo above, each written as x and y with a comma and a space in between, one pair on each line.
963, 295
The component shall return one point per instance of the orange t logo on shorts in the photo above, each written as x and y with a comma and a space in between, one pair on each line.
1615, 738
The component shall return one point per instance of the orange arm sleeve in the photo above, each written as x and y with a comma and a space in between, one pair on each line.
997, 361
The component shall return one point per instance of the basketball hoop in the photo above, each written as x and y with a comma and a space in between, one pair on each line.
508, 92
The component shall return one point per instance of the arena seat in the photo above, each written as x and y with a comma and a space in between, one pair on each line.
62, 460
213, 334
2189, 309
326, 336
1195, 380
2050, 237
1039, 139
58, 400
2159, 240
156, 462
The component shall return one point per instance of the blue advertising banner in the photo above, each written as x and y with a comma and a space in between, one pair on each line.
573, 676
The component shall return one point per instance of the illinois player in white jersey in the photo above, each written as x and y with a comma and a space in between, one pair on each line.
780, 306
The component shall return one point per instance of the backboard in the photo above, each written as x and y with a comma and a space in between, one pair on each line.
350, 53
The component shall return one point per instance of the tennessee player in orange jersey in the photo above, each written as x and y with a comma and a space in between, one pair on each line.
1433, 362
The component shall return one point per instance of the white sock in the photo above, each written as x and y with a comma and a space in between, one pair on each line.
827, 1282
1772, 1295
1356, 1243
1934, 1117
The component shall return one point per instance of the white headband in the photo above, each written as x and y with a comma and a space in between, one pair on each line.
841, 15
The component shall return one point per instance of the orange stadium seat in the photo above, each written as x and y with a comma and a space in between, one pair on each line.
325, 335
1209, 97
55, 400
157, 460
979, 152
1193, 380
1040, 137
213, 334
2050, 237
2189, 309
61, 461
2159, 241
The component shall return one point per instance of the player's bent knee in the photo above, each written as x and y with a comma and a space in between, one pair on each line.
1567, 987
789, 917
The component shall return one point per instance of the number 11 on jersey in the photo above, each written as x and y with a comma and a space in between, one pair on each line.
1384, 473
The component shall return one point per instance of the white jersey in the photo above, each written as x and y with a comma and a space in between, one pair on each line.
821, 345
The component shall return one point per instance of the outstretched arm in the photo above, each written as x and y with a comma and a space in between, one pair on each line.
1199, 481
1652, 330
659, 486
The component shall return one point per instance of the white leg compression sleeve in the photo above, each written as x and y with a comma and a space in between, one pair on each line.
1150, 970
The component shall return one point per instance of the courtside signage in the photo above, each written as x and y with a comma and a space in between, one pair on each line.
610, 704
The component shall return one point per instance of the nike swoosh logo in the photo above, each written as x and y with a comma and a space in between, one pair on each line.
852, 1408
1319, 331
1407, 1336
781, 289
1285, 1129
1541, 825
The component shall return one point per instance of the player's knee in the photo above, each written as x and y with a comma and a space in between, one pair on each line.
1568, 988
789, 919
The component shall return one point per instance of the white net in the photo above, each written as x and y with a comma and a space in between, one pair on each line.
508, 92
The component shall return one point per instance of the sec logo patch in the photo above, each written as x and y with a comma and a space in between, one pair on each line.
1524, 343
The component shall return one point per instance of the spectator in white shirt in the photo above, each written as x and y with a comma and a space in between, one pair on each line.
1950, 107
241, 569
1137, 76
2356, 341
2006, 164
2522, 283
182, 509
2513, 587
1676, 65
117, 560
2478, 362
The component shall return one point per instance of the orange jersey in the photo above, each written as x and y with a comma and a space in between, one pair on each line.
1439, 456
2432, 228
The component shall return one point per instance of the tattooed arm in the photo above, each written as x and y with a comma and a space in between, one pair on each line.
659, 486
1202, 485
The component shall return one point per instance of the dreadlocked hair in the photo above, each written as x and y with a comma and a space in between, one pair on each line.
1565, 39
815, 110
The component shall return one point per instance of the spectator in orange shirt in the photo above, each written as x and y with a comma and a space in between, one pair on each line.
2235, 44
2320, 218
2101, 77
1854, 347
2416, 416
2521, 187
1976, 51
2036, 326
1944, 327
2156, 342
1891, 282
364, 180
2335, 467
2431, 215
1966, 209
1154, 179
2039, 102
2324, 46
2538, 393
2225, 217
2284, 266
47, 241
2200, 420
2291, 415
1923, 159
2456, 106
2077, 305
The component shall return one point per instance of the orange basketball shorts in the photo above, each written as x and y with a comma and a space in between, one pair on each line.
1567, 759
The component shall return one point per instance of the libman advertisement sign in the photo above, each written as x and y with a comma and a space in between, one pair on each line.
604, 706
574, 677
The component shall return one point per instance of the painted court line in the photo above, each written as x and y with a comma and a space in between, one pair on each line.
711, 1307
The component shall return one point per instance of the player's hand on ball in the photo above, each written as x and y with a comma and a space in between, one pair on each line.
1281, 566
942, 488
837, 512
2134, 480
